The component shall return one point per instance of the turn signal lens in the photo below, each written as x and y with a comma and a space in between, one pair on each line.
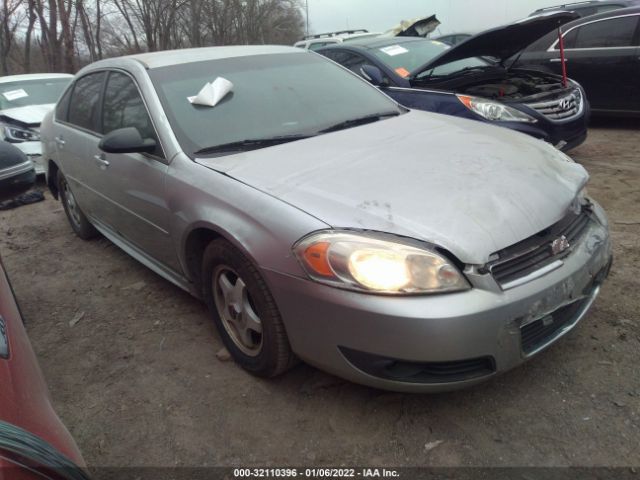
362, 262
316, 257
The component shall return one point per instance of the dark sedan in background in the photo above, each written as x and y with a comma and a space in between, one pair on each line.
602, 53
17, 172
592, 7
475, 79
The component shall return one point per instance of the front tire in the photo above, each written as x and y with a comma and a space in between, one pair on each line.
244, 311
77, 219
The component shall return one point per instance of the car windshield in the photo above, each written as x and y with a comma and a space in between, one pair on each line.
280, 95
406, 57
32, 92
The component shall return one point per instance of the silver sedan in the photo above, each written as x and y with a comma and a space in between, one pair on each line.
320, 220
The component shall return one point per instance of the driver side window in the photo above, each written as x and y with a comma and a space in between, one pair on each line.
123, 107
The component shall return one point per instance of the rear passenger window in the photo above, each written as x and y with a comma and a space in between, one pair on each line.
123, 107
616, 32
83, 109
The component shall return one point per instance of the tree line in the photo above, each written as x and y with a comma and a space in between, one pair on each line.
64, 35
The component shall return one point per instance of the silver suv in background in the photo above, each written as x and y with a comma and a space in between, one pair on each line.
320, 220
24, 101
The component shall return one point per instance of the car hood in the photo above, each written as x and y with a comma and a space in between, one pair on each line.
502, 42
31, 115
471, 188
417, 27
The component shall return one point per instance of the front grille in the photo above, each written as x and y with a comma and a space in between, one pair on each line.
563, 108
420, 372
536, 334
522, 259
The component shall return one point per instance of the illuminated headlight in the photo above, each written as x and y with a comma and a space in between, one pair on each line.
494, 111
359, 262
15, 134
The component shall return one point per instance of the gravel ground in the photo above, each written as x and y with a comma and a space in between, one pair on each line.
137, 381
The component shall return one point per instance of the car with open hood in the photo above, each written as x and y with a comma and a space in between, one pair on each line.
475, 79
602, 52
319, 219
24, 101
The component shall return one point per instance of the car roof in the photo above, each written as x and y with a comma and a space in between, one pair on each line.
587, 3
33, 76
611, 13
191, 55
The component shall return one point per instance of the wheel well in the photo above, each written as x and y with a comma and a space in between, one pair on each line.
52, 179
195, 246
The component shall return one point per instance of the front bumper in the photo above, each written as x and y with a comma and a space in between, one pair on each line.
352, 334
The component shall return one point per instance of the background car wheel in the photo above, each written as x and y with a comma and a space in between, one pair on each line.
77, 219
244, 311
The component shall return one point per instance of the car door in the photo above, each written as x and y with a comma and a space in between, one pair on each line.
75, 132
602, 56
133, 185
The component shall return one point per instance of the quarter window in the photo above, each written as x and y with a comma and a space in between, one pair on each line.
63, 106
616, 32
83, 109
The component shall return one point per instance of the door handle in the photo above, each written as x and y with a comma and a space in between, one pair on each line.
59, 140
102, 162
556, 60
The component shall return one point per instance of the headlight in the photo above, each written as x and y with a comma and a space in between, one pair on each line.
494, 111
15, 134
359, 262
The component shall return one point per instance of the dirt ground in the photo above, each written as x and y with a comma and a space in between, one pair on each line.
137, 380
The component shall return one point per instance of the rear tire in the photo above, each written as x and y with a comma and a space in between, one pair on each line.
244, 311
77, 219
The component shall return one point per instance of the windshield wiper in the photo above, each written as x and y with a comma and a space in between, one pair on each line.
250, 144
359, 121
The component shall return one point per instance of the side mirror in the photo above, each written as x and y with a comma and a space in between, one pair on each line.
373, 75
126, 140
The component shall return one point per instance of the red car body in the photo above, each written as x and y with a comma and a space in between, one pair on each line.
24, 397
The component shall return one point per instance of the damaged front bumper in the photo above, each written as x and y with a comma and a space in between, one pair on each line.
441, 342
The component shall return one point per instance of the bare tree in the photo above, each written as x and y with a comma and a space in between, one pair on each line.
72, 33
9, 21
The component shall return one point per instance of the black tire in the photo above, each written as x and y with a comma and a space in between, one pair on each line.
274, 355
77, 219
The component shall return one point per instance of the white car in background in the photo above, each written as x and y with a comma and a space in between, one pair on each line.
417, 27
314, 42
24, 101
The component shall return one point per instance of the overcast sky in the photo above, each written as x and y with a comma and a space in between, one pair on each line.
456, 15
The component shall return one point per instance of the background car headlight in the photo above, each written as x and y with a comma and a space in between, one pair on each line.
14, 134
494, 111
359, 262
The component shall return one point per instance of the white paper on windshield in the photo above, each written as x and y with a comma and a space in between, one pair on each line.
12, 95
394, 50
212, 93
